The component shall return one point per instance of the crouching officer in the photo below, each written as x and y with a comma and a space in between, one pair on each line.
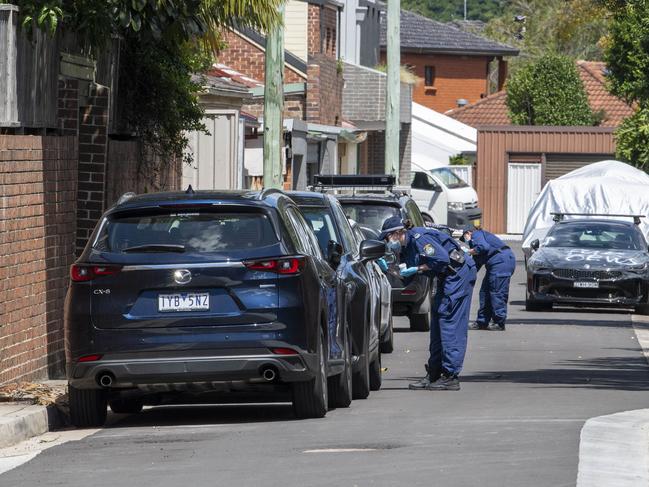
490, 251
431, 252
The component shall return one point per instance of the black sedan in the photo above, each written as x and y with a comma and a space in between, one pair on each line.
589, 262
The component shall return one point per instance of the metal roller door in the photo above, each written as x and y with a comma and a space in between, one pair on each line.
557, 165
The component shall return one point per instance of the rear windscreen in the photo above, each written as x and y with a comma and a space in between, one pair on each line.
370, 215
189, 232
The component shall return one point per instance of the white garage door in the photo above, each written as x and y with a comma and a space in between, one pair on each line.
215, 154
523, 186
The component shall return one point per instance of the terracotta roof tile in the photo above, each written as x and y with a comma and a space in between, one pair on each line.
492, 110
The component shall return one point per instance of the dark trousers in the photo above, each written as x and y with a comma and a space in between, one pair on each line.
494, 291
449, 327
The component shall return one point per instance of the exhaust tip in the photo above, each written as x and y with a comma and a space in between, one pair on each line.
269, 373
106, 379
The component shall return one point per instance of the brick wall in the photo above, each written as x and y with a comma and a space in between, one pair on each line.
372, 154
248, 58
67, 112
93, 143
294, 107
37, 227
324, 90
314, 32
455, 77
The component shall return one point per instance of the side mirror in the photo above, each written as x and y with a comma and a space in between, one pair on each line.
437, 188
334, 253
535, 244
372, 249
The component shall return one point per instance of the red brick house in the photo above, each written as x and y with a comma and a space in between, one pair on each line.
453, 66
313, 84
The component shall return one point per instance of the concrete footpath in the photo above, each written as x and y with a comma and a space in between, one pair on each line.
614, 449
19, 422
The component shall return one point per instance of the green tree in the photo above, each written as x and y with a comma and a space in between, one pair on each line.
627, 58
548, 92
575, 28
164, 43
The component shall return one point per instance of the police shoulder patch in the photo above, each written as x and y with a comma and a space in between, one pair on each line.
429, 250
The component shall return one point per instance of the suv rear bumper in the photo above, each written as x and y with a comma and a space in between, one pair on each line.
131, 372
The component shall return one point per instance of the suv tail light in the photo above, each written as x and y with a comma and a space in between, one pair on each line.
82, 273
289, 265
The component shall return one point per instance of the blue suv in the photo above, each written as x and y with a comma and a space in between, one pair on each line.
203, 293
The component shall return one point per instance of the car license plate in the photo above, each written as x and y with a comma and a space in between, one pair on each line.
476, 223
586, 284
183, 302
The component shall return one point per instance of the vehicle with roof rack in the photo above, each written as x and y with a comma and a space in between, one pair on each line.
369, 200
589, 259
339, 245
199, 294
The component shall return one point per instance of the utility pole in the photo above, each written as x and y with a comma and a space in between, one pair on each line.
392, 122
274, 106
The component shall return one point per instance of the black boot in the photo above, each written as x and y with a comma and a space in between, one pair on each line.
477, 326
423, 383
447, 382
497, 327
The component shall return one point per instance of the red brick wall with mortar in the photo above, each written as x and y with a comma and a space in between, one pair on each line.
294, 107
324, 90
68, 107
248, 59
455, 77
93, 143
38, 189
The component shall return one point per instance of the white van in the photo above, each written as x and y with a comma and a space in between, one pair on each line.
444, 198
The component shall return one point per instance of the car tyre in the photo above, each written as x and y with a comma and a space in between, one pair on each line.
361, 378
532, 305
642, 309
420, 322
340, 386
88, 407
125, 405
375, 374
387, 343
310, 398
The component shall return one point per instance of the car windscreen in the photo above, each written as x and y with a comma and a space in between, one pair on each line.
595, 236
187, 232
449, 178
322, 224
369, 215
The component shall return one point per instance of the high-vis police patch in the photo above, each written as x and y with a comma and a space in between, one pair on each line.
429, 250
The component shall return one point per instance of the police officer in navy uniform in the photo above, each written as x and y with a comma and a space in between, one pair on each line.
498, 259
431, 252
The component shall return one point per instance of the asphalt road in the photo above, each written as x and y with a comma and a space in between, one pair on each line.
516, 422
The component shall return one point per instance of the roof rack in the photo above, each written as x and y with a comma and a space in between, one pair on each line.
558, 216
264, 193
363, 182
355, 180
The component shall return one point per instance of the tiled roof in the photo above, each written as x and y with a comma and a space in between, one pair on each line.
492, 110
615, 109
421, 34
222, 71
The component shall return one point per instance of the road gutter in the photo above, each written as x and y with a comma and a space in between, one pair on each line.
614, 449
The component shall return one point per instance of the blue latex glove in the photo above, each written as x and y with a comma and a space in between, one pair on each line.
382, 264
410, 271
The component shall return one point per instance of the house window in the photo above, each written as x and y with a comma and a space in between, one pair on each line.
429, 76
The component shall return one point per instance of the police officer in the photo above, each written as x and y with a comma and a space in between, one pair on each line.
498, 259
436, 254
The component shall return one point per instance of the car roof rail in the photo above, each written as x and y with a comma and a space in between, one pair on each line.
265, 193
125, 197
559, 216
